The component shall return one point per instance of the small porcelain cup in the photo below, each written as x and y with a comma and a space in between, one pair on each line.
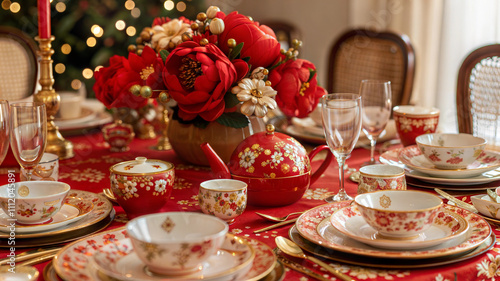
381, 177
70, 106
223, 198
412, 121
46, 170
33, 202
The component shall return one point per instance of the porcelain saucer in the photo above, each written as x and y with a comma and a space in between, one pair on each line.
414, 159
233, 260
74, 209
447, 225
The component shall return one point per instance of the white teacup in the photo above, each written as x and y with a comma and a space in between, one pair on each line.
381, 177
223, 198
70, 106
46, 170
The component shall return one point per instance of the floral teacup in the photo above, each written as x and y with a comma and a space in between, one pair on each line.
413, 121
223, 198
381, 177
142, 186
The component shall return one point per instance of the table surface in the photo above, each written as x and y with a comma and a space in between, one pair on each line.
89, 171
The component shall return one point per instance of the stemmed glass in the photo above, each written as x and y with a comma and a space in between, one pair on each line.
28, 134
342, 124
377, 104
4, 129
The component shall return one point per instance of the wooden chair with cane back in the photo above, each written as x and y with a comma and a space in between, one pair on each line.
360, 54
478, 95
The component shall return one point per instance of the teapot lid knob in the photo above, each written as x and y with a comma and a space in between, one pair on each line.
141, 160
270, 129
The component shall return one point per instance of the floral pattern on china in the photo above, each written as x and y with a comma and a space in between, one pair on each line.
73, 262
408, 123
218, 67
227, 204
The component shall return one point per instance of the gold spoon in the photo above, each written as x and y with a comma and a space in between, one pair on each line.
277, 219
288, 247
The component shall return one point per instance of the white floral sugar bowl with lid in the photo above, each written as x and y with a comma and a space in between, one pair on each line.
142, 186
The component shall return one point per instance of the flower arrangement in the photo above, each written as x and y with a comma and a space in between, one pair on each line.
218, 67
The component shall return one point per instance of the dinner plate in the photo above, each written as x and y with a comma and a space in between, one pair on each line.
61, 238
119, 260
101, 209
413, 158
86, 114
277, 273
388, 263
391, 157
74, 209
314, 225
72, 263
447, 225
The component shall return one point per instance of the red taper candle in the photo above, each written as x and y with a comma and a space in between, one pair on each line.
44, 19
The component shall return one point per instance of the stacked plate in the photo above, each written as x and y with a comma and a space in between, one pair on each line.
82, 214
338, 232
110, 256
476, 176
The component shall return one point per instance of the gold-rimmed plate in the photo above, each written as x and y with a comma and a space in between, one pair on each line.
74, 209
101, 210
389, 263
314, 225
72, 262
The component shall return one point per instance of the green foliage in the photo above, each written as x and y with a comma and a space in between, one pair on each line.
233, 119
235, 52
73, 26
230, 100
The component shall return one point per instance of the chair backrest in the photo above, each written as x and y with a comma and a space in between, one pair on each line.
18, 64
361, 54
478, 94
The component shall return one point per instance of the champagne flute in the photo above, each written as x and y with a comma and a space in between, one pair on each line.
28, 134
376, 95
342, 124
4, 129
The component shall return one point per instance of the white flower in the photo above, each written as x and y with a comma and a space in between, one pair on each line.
277, 157
394, 185
212, 11
259, 73
160, 185
256, 97
130, 187
247, 159
217, 26
169, 32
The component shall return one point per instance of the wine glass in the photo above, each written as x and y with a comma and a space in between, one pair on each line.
342, 124
376, 95
28, 134
4, 129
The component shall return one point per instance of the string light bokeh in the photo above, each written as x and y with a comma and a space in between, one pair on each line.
89, 32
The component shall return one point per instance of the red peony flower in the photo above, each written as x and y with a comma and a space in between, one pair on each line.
198, 77
298, 95
260, 42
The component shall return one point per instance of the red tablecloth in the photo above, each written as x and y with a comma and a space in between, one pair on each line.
89, 170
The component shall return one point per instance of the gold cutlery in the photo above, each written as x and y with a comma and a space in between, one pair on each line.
289, 247
457, 201
278, 219
298, 267
31, 254
38, 259
280, 224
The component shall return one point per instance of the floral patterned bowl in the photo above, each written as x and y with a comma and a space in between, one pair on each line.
398, 214
142, 186
33, 202
451, 151
176, 243
486, 206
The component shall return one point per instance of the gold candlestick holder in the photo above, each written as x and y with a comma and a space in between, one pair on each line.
55, 141
163, 142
